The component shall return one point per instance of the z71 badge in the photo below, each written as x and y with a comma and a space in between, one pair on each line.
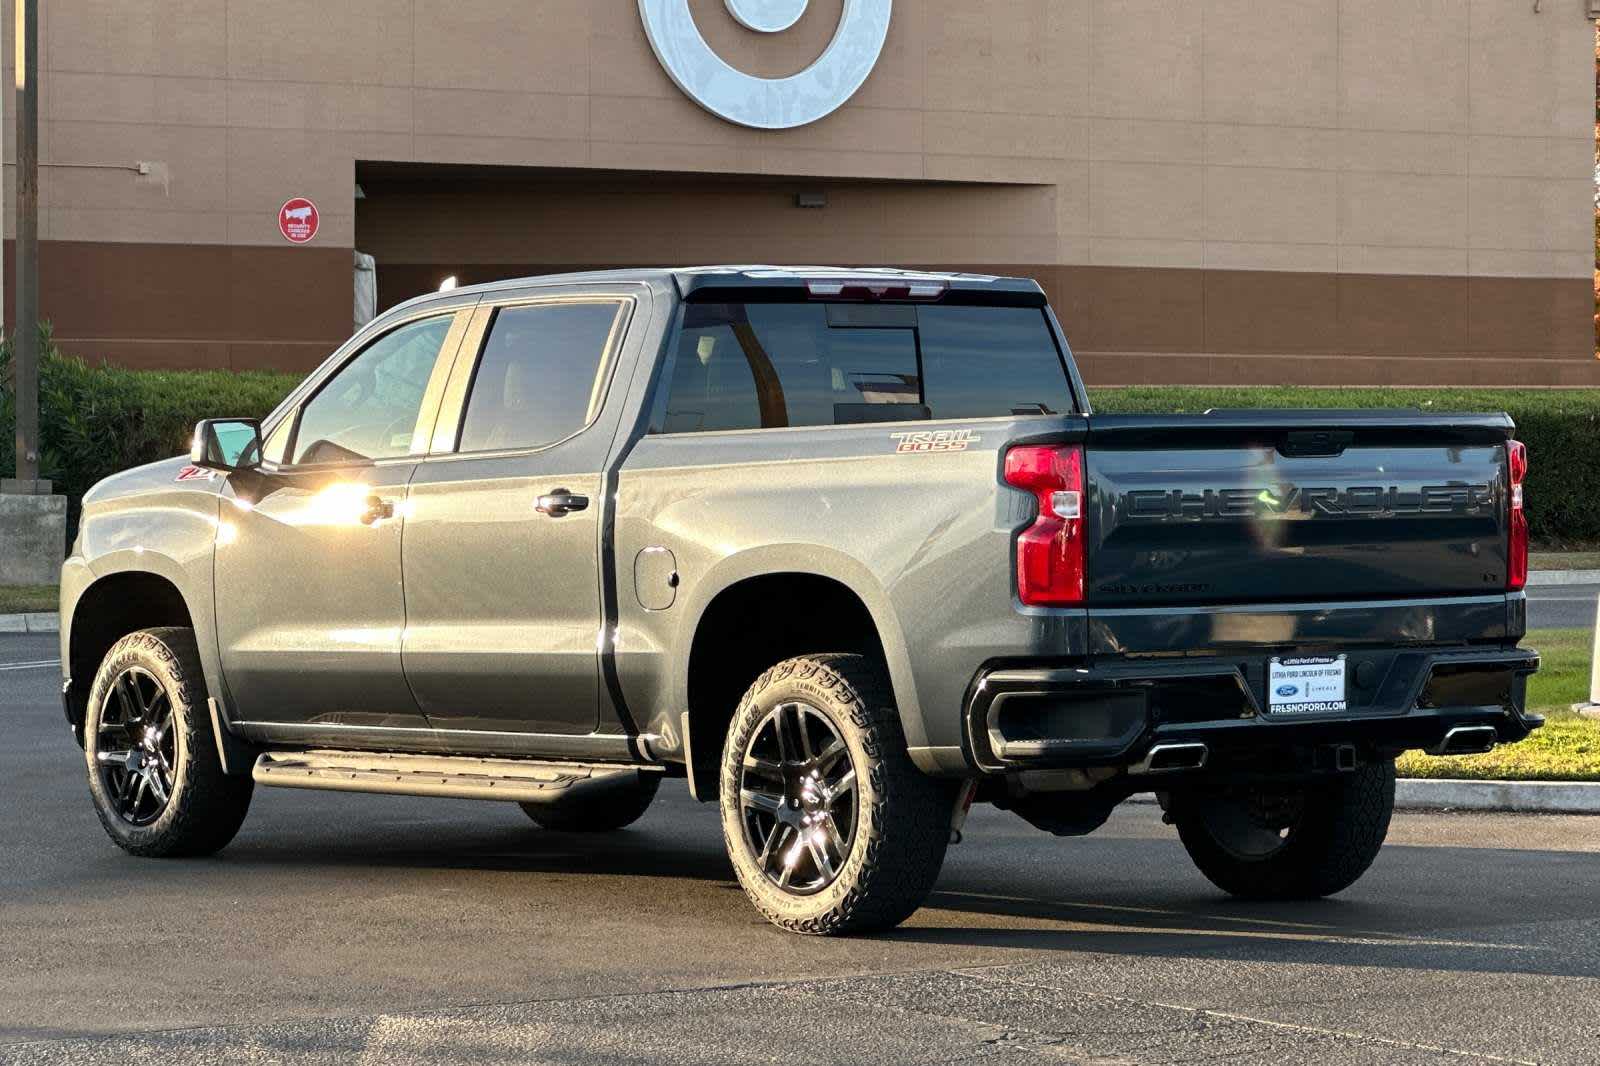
195, 473
939, 440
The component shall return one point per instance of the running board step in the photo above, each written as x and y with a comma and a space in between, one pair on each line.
455, 777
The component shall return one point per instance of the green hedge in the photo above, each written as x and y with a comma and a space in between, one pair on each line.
1561, 428
96, 420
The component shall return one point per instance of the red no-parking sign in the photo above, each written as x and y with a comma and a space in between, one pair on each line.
297, 220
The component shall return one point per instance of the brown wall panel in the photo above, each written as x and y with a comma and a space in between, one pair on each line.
1256, 311
1403, 314
195, 305
1504, 313
241, 307
1146, 310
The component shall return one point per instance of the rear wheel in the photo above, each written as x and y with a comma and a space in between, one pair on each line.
611, 802
154, 772
829, 826
1259, 843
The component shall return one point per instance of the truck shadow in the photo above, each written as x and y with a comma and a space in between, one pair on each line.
1459, 917
1448, 907
1433, 908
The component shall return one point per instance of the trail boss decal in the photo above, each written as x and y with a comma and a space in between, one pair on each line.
940, 440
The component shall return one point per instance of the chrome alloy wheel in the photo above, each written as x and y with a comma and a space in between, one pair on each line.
136, 746
797, 798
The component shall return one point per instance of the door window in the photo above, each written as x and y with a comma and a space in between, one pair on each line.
369, 409
540, 376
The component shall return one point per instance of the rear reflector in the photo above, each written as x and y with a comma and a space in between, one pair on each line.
875, 289
1050, 552
1517, 562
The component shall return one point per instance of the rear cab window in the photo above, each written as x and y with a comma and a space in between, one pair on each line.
764, 365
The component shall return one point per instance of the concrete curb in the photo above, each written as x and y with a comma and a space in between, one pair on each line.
1543, 797
35, 622
1517, 797
1564, 577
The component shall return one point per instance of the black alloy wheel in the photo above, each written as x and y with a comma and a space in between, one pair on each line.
798, 799
137, 749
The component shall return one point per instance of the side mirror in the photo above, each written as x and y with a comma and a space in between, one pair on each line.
226, 444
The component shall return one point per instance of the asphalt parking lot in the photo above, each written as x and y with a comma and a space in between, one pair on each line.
366, 929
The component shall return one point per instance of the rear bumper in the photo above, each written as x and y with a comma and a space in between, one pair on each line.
1022, 717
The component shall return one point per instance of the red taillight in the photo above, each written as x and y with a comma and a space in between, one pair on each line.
1050, 553
1517, 562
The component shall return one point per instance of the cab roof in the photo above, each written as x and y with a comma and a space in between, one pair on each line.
705, 281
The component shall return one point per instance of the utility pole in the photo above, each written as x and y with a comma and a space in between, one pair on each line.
2, 171
33, 523
25, 278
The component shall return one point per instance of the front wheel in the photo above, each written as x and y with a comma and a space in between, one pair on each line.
830, 827
154, 772
1280, 844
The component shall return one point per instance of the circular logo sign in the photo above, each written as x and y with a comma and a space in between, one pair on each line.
297, 220
768, 103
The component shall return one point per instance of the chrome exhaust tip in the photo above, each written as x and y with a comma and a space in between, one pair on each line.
1170, 758
1467, 740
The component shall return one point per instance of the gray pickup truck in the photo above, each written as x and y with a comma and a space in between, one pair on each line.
846, 549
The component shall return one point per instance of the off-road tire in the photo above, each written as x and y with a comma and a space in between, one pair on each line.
1341, 827
600, 806
902, 816
206, 806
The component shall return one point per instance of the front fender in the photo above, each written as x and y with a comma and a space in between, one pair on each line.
167, 530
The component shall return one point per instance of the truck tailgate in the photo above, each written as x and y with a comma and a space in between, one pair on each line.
1239, 507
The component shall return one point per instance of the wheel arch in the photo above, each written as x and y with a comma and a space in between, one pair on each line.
117, 600
743, 622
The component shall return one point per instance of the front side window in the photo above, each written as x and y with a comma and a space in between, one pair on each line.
539, 377
369, 409
768, 365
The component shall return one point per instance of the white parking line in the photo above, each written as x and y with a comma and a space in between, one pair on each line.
39, 665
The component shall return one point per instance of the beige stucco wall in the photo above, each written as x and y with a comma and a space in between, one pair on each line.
1376, 137
1427, 136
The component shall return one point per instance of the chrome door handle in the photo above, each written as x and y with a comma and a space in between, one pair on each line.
560, 502
377, 510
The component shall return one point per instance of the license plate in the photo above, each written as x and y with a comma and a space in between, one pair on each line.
1306, 685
